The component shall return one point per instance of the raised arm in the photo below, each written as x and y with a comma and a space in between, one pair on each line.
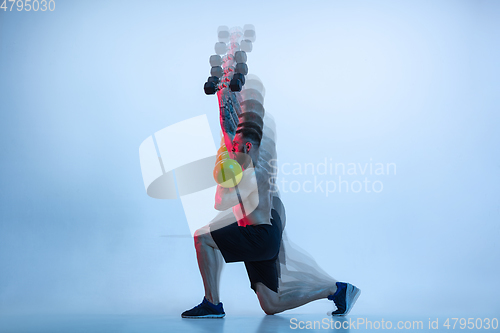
229, 109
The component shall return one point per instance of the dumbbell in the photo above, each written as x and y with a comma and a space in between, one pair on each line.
223, 33
220, 48
249, 32
248, 38
240, 57
236, 55
246, 45
210, 86
241, 68
217, 71
215, 60
237, 82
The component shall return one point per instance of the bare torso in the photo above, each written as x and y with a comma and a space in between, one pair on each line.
257, 205
250, 200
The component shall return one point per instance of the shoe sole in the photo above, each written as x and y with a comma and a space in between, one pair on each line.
351, 295
213, 316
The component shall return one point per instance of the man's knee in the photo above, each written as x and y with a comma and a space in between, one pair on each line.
267, 299
199, 236
268, 309
202, 237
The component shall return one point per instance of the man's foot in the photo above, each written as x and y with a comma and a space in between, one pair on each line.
205, 310
344, 298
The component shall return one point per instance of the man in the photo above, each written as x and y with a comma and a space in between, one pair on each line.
254, 239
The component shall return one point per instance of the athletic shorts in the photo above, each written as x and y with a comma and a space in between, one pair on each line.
256, 245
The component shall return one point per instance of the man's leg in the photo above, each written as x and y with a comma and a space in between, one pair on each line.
272, 303
210, 262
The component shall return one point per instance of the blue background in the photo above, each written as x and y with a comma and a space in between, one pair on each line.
413, 83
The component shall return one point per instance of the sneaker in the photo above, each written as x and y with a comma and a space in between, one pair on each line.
344, 298
205, 310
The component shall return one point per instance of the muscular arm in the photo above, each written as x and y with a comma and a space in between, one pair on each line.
229, 109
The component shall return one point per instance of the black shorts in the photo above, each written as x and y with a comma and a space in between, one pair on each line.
256, 245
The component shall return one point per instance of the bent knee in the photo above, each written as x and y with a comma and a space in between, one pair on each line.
197, 234
267, 299
202, 238
269, 309
200, 234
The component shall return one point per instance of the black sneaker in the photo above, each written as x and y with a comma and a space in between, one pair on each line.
205, 310
344, 298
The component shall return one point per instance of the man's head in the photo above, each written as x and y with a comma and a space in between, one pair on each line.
246, 141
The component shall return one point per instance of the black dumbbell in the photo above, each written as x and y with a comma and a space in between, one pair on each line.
217, 71
209, 88
240, 77
241, 68
235, 84
215, 60
213, 79
240, 56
